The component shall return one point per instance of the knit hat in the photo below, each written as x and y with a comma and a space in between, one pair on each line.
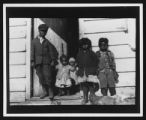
43, 27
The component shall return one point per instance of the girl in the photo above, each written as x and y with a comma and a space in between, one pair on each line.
106, 68
87, 64
63, 79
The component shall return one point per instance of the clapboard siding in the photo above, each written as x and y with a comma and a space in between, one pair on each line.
126, 91
19, 55
126, 79
125, 65
102, 26
17, 58
114, 38
17, 22
17, 96
119, 51
17, 32
17, 71
18, 84
17, 45
122, 37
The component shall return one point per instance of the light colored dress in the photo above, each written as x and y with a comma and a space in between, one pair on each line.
73, 74
63, 77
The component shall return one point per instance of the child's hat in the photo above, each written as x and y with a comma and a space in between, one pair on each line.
72, 59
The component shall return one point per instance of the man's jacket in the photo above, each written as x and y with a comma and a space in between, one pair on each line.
43, 53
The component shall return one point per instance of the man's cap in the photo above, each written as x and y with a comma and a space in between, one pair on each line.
72, 59
43, 27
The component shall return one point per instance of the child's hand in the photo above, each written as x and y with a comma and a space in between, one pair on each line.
116, 81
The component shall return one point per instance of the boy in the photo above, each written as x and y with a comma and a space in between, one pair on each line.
106, 68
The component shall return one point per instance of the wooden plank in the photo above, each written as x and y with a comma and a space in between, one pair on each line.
28, 55
120, 51
17, 32
17, 22
127, 79
17, 96
17, 45
102, 26
114, 38
17, 71
17, 58
124, 65
17, 84
126, 91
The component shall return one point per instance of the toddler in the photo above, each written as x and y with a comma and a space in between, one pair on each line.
63, 81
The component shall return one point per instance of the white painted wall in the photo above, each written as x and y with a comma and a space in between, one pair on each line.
122, 37
19, 59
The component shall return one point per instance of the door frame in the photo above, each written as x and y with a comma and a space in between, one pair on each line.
28, 59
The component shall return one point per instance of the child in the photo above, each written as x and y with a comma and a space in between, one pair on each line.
87, 64
73, 70
63, 79
106, 68
73, 75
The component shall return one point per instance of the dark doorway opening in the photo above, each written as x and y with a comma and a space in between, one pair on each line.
72, 36
65, 28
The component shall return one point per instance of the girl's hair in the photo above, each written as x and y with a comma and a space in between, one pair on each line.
63, 57
105, 40
84, 41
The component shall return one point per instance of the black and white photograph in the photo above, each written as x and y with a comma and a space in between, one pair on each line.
71, 58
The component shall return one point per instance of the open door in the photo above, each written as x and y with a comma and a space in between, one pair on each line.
63, 34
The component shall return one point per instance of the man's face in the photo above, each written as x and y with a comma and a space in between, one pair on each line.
42, 33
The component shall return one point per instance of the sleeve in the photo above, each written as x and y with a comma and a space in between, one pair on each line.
32, 51
53, 52
113, 61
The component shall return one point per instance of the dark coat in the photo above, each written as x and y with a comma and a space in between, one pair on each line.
43, 53
87, 62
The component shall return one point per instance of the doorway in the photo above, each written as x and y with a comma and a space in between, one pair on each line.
63, 33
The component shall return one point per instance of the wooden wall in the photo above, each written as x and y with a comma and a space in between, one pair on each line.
122, 37
19, 59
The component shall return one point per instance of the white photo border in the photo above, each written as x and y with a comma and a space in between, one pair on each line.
5, 114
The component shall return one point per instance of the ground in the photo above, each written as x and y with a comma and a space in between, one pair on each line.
67, 100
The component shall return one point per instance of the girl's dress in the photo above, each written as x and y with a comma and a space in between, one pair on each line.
63, 77
73, 74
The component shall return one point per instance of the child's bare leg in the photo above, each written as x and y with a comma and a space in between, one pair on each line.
104, 91
85, 93
112, 91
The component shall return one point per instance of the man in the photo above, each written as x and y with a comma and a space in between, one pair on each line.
43, 58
